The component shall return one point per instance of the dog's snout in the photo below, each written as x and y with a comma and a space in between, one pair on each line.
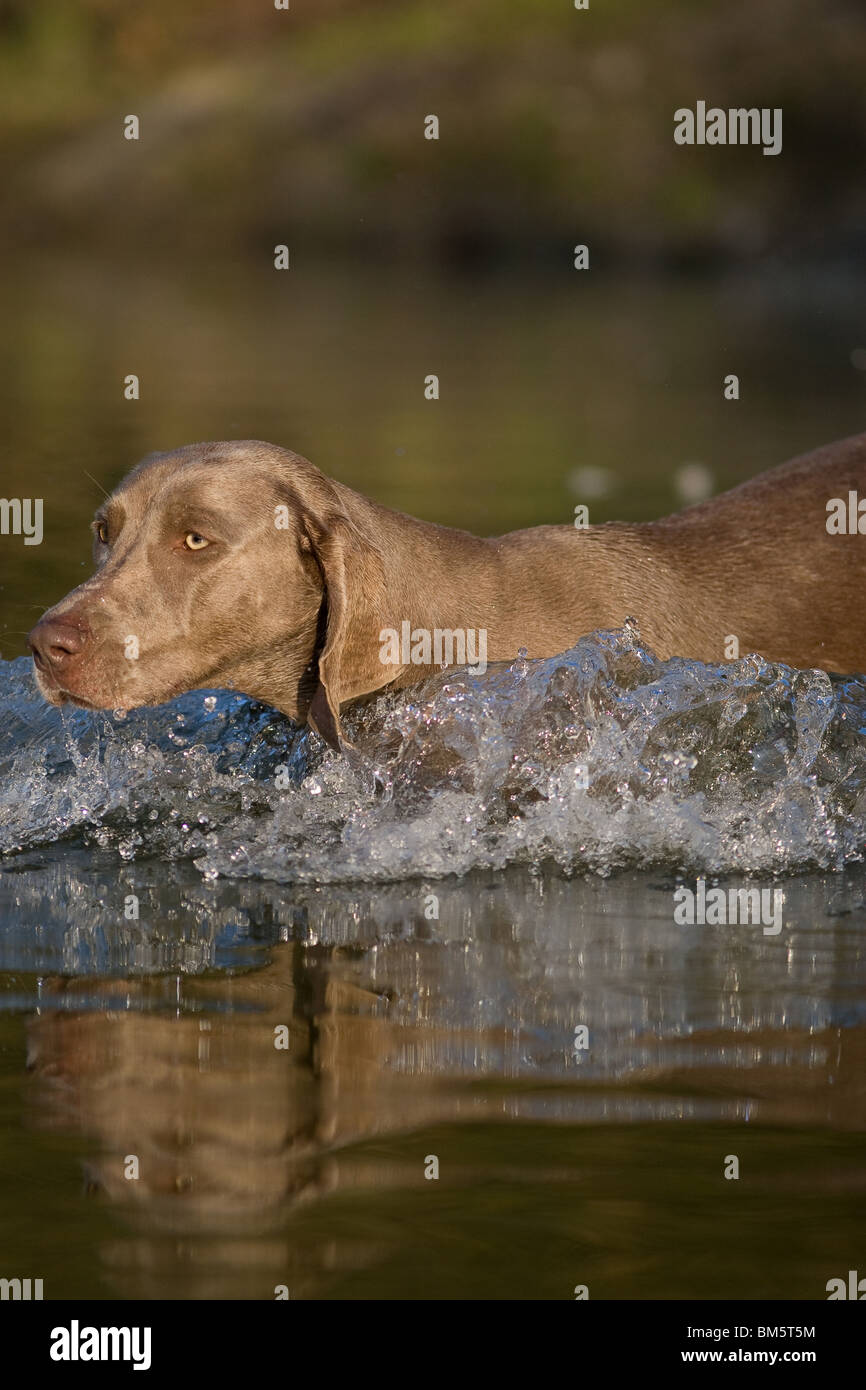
56, 642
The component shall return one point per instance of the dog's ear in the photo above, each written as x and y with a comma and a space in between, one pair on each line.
353, 573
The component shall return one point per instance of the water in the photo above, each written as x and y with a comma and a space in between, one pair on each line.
430, 923
602, 758
432, 926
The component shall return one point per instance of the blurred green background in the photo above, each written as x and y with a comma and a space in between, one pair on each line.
305, 125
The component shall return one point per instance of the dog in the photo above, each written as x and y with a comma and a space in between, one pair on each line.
240, 565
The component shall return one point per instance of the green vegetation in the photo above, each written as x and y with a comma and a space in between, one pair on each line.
260, 125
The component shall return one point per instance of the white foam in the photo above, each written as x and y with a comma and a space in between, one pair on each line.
747, 767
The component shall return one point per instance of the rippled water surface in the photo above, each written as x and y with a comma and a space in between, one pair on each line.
601, 758
283, 981
429, 925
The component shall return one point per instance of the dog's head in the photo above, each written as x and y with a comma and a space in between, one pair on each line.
226, 565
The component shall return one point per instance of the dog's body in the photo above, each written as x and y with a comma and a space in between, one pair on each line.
241, 565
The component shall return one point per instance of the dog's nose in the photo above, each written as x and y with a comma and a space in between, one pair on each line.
55, 643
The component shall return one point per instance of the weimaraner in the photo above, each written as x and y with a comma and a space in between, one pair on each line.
239, 565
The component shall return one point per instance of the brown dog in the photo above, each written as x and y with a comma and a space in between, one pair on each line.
240, 565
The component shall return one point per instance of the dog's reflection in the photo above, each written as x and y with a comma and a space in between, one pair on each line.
216, 1118
225, 1108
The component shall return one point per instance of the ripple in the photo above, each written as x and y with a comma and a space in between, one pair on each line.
600, 759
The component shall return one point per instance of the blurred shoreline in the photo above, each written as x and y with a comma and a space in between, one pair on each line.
260, 127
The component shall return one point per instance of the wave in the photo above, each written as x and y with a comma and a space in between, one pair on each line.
601, 759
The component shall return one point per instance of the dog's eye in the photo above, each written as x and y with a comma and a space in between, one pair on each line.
193, 541
102, 532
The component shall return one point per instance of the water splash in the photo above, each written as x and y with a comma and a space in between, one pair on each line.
600, 759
